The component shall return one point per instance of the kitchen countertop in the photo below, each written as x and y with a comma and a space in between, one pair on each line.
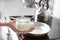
54, 39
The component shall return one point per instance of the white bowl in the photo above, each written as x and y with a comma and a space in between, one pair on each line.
41, 28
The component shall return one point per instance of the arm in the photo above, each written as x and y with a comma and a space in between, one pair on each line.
12, 25
8, 24
3, 23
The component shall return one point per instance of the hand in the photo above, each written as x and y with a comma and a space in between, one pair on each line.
12, 25
29, 30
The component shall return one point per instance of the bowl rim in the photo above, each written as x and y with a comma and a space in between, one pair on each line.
43, 32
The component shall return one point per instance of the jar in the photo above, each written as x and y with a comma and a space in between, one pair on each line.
42, 15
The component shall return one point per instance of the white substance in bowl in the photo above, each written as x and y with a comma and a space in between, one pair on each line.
42, 28
24, 24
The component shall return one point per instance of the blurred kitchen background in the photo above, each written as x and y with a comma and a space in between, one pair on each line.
16, 8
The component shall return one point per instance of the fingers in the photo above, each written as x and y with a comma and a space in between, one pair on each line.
30, 29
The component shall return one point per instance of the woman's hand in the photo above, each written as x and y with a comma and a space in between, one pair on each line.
29, 30
12, 25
